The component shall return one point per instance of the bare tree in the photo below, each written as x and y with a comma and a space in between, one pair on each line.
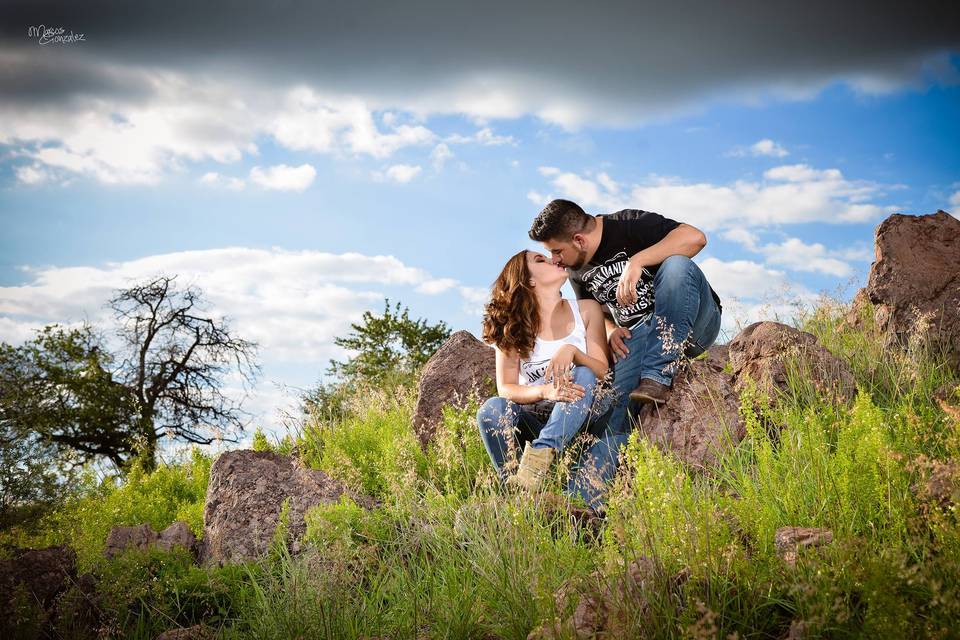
175, 362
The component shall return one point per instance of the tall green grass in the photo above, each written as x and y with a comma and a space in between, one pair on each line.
450, 554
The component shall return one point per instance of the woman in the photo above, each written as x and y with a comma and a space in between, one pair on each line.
550, 353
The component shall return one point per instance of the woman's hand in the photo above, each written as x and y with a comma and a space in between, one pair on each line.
558, 369
566, 392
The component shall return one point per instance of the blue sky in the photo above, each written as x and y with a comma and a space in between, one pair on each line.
296, 203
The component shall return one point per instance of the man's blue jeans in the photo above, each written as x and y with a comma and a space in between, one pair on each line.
685, 318
506, 425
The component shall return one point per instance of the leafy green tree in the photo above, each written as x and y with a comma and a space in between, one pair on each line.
164, 382
388, 344
388, 350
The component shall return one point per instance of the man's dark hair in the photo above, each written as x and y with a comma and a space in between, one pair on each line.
559, 220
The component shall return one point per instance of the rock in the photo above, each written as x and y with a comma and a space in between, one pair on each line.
917, 273
245, 496
789, 540
461, 367
44, 573
121, 538
763, 350
196, 632
718, 356
39, 574
177, 534
700, 418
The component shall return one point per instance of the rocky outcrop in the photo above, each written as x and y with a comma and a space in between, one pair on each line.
700, 418
914, 282
142, 537
246, 494
764, 351
39, 575
461, 367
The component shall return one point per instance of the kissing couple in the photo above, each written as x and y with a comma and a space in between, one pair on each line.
566, 368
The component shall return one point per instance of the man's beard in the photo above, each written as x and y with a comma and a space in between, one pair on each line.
581, 260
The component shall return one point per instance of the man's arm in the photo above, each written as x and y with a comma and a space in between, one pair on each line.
683, 240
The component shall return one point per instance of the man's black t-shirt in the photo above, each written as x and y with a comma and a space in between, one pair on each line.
624, 234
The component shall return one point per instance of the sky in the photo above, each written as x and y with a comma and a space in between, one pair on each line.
301, 162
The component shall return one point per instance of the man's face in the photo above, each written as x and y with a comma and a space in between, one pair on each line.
567, 253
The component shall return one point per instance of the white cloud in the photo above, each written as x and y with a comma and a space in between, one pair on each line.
799, 256
215, 179
742, 236
292, 302
399, 173
765, 147
439, 156
31, 174
309, 121
788, 194
284, 178
434, 287
955, 200
750, 292
484, 136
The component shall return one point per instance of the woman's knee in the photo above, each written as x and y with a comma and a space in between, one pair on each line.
584, 375
492, 410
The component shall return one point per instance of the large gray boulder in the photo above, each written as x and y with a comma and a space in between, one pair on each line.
463, 366
700, 419
246, 494
914, 282
764, 350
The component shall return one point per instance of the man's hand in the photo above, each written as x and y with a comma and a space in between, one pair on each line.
618, 349
627, 286
558, 369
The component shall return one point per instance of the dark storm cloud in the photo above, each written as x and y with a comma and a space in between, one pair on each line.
632, 52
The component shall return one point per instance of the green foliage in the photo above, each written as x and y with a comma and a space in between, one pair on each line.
57, 390
170, 493
388, 343
372, 449
450, 554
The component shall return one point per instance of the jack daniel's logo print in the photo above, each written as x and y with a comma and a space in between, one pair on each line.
601, 281
534, 370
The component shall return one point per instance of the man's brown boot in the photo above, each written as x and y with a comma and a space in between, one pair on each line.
650, 391
534, 465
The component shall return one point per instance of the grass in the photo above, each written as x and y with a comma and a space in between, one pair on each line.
450, 555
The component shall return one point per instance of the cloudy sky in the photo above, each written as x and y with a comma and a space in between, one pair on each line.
301, 161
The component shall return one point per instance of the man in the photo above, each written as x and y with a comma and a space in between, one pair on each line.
659, 306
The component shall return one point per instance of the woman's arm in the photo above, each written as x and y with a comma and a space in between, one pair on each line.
597, 355
509, 387
508, 380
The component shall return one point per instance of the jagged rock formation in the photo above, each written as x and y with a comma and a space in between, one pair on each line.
246, 494
700, 418
915, 280
144, 537
763, 351
462, 366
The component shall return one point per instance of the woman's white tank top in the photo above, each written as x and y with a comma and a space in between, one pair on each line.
533, 368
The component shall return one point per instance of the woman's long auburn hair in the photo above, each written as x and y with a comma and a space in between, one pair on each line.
511, 318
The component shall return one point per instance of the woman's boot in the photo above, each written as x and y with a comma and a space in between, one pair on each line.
534, 465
